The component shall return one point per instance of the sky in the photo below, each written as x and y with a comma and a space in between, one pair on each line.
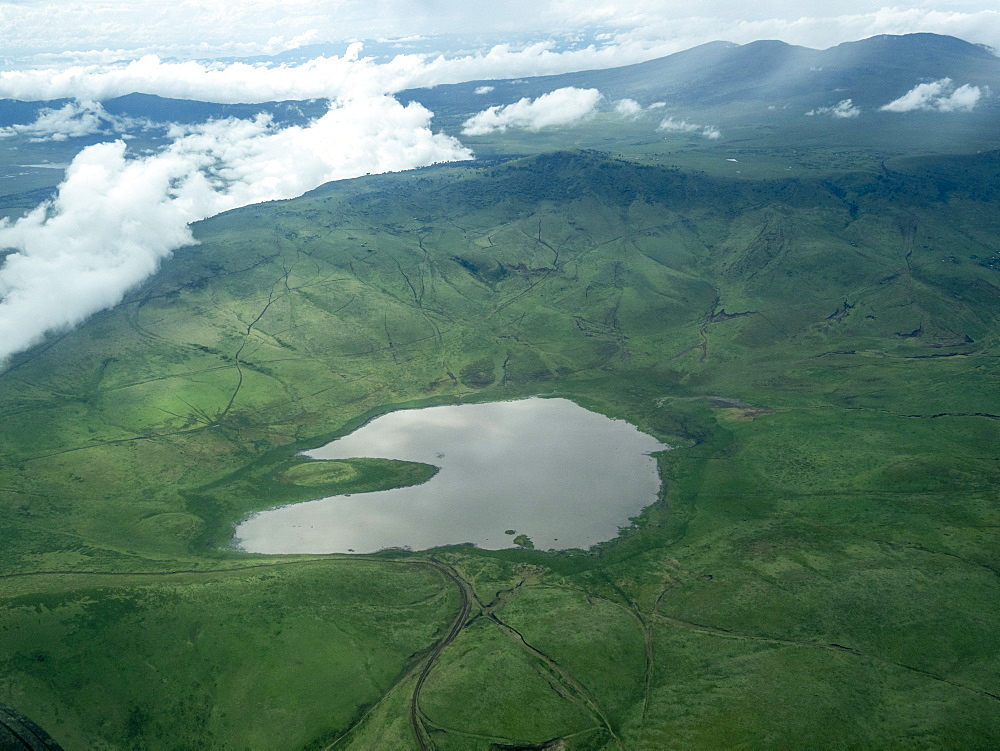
99, 30
118, 214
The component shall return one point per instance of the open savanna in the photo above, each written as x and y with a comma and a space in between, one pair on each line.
820, 570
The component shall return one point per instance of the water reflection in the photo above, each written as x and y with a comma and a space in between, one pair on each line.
547, 468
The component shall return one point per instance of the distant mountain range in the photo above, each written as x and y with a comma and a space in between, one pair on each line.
739, 80
720, 78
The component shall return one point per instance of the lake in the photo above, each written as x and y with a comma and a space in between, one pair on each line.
546, 468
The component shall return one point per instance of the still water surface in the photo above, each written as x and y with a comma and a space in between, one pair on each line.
547, 468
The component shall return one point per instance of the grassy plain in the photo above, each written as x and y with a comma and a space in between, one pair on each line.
819, 572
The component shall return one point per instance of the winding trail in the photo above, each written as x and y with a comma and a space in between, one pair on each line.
574, 690
15, 723
559, 678
416, 716
18, 733
246, 338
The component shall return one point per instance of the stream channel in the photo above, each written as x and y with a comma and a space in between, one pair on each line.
546, 468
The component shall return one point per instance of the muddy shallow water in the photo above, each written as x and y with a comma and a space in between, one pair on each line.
546, 468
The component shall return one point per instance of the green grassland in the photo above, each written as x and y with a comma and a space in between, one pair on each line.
820, 570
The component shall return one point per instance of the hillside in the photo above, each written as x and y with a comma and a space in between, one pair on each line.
820, 568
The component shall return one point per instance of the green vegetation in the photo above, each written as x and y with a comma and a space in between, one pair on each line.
358, 475
524, 541
821, 567
198, 660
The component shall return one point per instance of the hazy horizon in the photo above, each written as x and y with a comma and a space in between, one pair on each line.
46, 34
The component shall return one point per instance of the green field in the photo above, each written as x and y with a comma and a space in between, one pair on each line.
819, 572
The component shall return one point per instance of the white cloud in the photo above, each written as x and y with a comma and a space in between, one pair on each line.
73, 120
628, 108
483, 89
963, 99
633, 110
939, 96
683, 126
238, 82
321, 77
844, 109
115, 216
564, 106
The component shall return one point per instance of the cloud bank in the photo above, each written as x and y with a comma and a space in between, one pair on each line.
937, 96
73, 120
845, 109
322, 77
561, 107
117, 29
116, 216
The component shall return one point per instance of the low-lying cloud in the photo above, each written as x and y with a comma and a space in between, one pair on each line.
683, 126
937, 96
73, 120
628, 108
116, 216
843, 110
323, 77
632, 110
561, 107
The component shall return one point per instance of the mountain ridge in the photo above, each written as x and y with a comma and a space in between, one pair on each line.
872, 71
